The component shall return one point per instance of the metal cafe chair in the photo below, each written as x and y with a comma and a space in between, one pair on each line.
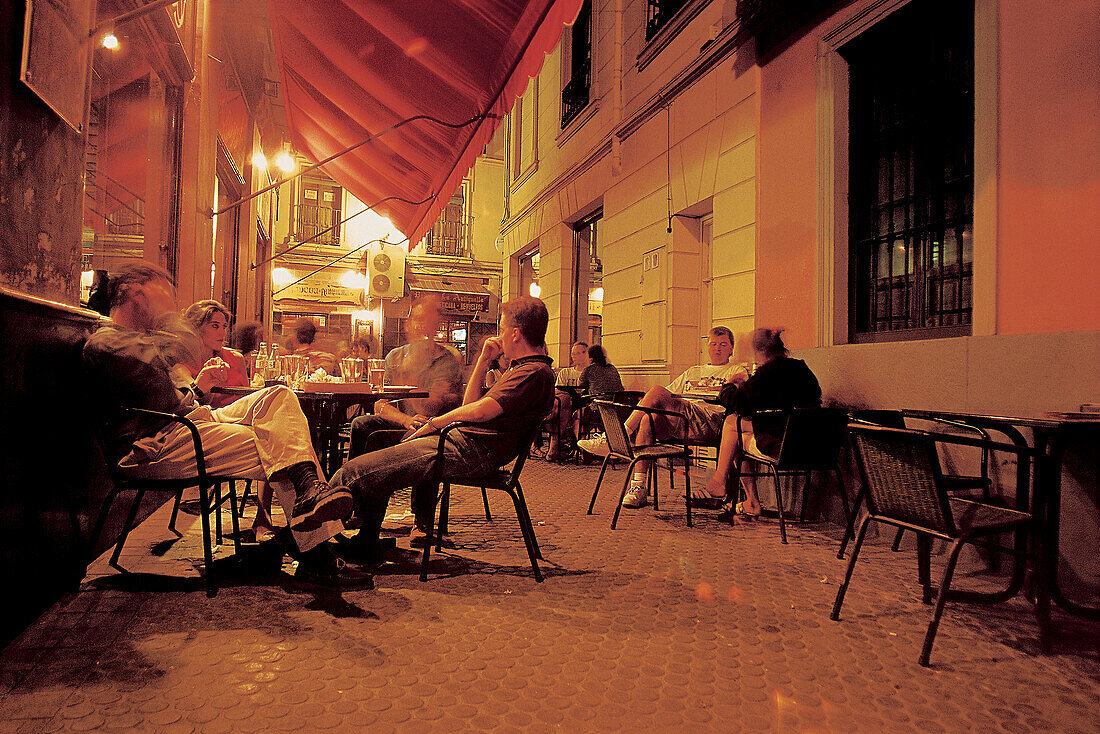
906, 489
812, 438
503, 479
953, 482
210, 499
612, 415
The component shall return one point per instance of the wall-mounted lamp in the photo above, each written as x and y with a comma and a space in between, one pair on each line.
110, 41
284, 162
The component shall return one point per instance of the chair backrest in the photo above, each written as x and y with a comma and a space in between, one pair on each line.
524, 451
888, 418
617, 439
812, 439
902, 477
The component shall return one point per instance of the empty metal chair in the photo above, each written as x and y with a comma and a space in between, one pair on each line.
613, 415
905, 488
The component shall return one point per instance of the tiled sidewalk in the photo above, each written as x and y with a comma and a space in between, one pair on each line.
654, 626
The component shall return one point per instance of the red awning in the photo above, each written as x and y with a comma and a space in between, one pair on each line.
353, 69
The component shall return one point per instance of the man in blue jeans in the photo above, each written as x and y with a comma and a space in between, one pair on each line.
501, 419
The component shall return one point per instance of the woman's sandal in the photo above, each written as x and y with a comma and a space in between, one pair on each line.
731, 512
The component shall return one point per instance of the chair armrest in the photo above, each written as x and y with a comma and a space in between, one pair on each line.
650, 412
946, 438
200, 458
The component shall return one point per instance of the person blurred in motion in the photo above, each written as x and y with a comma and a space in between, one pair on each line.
246, 337
300, 342
139, 361
425, 364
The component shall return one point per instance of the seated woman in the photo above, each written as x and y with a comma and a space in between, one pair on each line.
210, 320
598, 378
780, 382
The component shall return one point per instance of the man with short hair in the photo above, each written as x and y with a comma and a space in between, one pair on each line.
501, 419
704, 420
138, 362
562, 413
303, 333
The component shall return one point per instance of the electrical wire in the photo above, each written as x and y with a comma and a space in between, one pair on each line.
345, 219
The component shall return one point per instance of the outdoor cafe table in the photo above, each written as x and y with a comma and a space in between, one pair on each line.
1051, 433
326, 407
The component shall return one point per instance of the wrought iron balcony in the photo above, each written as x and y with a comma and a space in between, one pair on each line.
574, 97
658, 13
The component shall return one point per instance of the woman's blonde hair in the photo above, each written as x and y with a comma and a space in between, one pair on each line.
199, 312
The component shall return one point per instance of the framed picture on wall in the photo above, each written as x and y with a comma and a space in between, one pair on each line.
56, 59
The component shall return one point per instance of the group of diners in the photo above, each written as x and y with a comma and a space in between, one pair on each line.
148, 356
711, 398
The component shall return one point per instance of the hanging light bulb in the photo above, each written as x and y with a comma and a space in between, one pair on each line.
259, 161
535, 290
284, 162
110, 41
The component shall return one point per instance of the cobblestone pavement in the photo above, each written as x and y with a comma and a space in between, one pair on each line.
654, 626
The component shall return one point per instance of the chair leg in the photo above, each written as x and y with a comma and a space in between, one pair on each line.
101, 520
217, 505
897, 540
207, 551
835, 615
945, 586
127, 528
527, 532
687, 485
844, 498
234, 515
175, 512
485, 500
924, 566
779, 505
622, 495
599, 481
849, 532
444, 517
430, 530
651, 477
527, 516
244, 495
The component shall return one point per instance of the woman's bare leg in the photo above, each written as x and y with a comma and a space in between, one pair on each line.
263, 525
728, 448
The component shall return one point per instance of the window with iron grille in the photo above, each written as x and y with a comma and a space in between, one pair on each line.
911, 175
575, 93
660, 12
449, 234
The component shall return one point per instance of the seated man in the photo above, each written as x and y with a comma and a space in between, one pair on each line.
704, 420
502, 418
563, 406
427, 364
300, 342
139, 361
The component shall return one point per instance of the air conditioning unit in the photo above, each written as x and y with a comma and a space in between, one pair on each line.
386, 271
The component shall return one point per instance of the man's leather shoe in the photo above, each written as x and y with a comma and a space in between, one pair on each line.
321, 567
319, 504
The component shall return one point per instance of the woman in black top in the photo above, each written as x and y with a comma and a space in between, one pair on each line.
599, 376
779, 383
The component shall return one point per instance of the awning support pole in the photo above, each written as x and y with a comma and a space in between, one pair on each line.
131, 15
